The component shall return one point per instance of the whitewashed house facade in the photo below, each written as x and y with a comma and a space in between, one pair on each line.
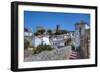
38, 40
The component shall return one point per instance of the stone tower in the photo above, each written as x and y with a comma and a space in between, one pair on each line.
82, 37
79, 32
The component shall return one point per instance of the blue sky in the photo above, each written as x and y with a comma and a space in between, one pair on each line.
49, 20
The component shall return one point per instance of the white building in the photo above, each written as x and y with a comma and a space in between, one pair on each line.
59, 40
27, 33
38, 40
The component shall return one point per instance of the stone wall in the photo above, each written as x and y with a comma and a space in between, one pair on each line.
56, 54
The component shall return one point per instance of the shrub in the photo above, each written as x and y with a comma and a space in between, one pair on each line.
73, 47
36, 34
41, 48
26, 43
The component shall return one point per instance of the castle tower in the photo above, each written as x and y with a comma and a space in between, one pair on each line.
79, 32
82, 36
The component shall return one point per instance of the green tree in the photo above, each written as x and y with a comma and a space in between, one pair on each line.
41, 31
49, 31
64, 31
36, 33
58, 32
